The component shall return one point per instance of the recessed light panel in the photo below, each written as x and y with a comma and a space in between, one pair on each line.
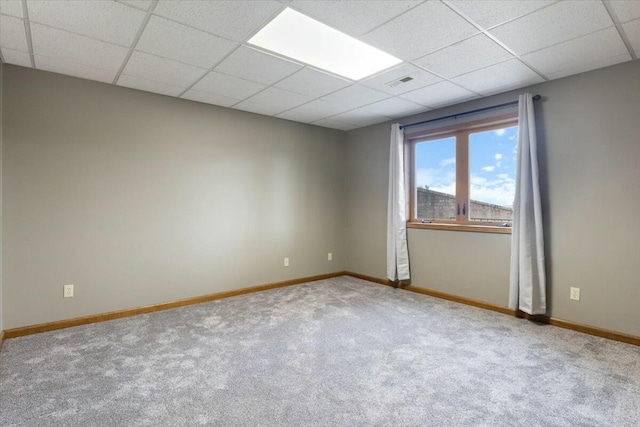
304, 39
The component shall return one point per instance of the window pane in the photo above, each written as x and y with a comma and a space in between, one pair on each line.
492, 166
436, 179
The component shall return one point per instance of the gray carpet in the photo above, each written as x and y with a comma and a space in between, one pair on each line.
339, 352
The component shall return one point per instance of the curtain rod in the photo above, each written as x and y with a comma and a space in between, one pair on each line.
479, 110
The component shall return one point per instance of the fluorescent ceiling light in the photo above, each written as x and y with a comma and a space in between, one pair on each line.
304, 39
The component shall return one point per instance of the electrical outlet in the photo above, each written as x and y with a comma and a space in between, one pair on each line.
329, 256
286, 262
574, 294
67, 291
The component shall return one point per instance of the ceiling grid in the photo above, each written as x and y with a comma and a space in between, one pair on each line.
451, 50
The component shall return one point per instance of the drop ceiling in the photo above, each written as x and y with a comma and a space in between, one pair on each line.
452, 50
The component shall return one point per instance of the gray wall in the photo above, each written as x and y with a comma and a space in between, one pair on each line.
138, 198
589, 152
1, 203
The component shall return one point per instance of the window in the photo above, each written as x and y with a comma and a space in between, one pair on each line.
463, 177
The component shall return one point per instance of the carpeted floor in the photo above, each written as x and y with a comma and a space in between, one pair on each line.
338, 352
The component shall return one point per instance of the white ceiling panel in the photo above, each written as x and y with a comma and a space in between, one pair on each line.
229, 86
355, 96
162, 70
632, 29
12, 34
138, 4
443, 93
16, 57
66, 46
360, 118
74, 69
312, 82
312, 111
581, 53
234, 20
489, 13
388, 81
626, 10
589, 65
394, 107
103, 20
552, 25
503, 76
175, 41
340, 14
280, 99
423, 29
334, 124
265, 109
147, 85
210, 98
251, 64
468, 55
11, 7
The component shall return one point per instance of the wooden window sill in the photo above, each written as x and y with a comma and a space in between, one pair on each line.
461, 227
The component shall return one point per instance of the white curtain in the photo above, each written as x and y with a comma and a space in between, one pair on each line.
397, 254
527, 290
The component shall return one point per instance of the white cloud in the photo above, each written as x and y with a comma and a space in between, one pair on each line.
512, 138
498, 191
436, 179
500, 132
447, 162
488, 168
498, 156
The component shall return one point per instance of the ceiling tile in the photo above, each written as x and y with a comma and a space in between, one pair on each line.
312, 111
228, 86
11, 7
394, 107
103, 20
264, 109
468, 55
552, 25
340, 14
12, 33
175, 41
581, 53
162, 70
423, 29
506, 75
420, 78
590, 65
626, 10
334, 124
210, 98
355, 96
138, 4
147, 85
66, 46
251, 64
489, 13
632, 30
74, 69
439, 94
360, 118
16, 57
312, 83
279, 99
235, 20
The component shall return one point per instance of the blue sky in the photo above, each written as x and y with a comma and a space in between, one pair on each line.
492, 158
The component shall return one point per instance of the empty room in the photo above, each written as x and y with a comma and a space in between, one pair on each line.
320, 213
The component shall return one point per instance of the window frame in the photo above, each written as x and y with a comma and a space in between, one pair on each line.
461, 132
